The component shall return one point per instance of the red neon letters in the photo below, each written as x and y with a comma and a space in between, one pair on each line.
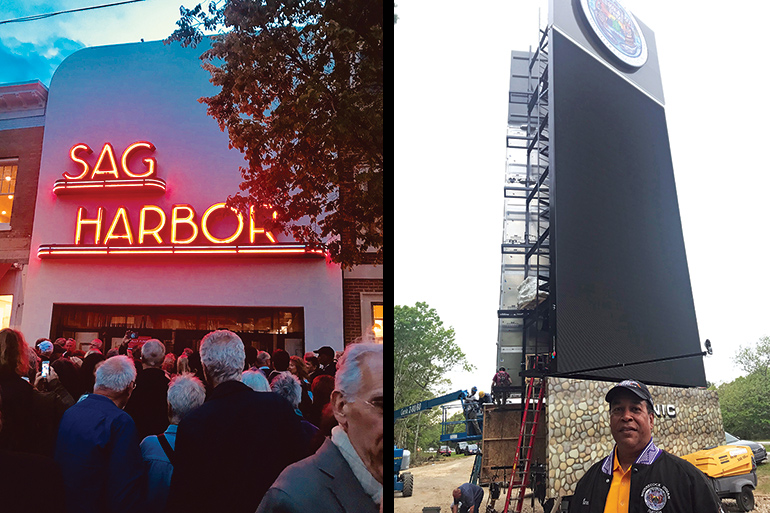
179, 231
183, 220
106, 166
106, 176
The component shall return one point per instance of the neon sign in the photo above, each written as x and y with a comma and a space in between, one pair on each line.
183, 218
178, 231
106, 175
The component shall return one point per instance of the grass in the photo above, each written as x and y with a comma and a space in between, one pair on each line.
763, 476
431, 457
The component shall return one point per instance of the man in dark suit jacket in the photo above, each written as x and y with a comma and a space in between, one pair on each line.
147, 405
230, 450
346, 474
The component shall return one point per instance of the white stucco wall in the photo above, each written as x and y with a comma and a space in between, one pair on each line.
148, 92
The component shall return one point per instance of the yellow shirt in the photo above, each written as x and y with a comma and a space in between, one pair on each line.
617, 498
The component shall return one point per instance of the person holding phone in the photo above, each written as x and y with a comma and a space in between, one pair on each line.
30, 415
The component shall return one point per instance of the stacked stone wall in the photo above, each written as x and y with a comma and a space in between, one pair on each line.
686, 420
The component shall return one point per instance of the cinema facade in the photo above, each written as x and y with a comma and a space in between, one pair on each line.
131, 231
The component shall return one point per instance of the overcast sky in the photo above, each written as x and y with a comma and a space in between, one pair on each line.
451, 90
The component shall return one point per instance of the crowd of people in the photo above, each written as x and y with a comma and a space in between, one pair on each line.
224, 428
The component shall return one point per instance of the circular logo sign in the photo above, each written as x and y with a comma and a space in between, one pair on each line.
655, 496
617, 29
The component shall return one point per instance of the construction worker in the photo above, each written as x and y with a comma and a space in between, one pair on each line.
471, 411
501, 379
484, 398
467, 498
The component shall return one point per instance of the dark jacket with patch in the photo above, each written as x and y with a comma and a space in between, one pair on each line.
659, 482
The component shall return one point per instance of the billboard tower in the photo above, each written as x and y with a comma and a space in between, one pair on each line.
594, 274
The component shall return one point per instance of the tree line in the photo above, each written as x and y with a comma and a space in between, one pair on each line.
745, 402
425, 351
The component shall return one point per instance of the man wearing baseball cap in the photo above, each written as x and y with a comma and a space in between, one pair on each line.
639, 476
327, 365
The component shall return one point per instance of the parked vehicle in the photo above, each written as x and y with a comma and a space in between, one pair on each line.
462, 448
731, 470
445, 450
760, 454
473, 449
402, 481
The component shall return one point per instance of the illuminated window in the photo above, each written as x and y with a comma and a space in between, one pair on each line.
377, 325
8, 169
6, 302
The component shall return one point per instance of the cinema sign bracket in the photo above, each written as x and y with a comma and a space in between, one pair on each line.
107, 176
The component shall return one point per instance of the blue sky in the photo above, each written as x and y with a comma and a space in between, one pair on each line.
33, 50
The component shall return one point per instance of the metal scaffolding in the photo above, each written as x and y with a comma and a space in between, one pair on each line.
524, 310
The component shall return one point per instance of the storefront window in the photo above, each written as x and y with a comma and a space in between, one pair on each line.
377, 316
180, 326
8, 169
6, 302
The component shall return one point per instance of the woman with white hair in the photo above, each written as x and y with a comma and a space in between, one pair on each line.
287, 385
185, 393
256, 380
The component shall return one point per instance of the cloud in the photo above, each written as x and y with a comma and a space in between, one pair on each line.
23, 61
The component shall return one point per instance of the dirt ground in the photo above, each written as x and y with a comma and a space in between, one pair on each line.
433, 485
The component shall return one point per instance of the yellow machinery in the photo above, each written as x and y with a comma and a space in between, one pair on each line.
731, 470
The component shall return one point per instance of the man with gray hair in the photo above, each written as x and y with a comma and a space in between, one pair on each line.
346, 474
232, 448
98, 446
263, 362
147, 405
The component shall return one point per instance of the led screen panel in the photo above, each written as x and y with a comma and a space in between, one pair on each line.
621, 282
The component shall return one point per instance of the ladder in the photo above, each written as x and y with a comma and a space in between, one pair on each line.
520, 474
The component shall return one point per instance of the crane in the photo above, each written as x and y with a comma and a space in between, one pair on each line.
404, 481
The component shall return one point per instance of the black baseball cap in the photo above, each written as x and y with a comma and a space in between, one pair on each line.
636, 387
325, 350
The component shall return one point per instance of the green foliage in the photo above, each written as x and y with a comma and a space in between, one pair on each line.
755, 359
302, 98
429, 432
745, 402
745, 405
424, 352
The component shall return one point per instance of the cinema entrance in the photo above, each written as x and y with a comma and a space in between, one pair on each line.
179, 327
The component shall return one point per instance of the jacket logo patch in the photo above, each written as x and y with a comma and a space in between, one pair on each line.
655, 496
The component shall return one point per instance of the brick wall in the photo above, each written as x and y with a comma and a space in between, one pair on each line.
26, 144
351, 304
